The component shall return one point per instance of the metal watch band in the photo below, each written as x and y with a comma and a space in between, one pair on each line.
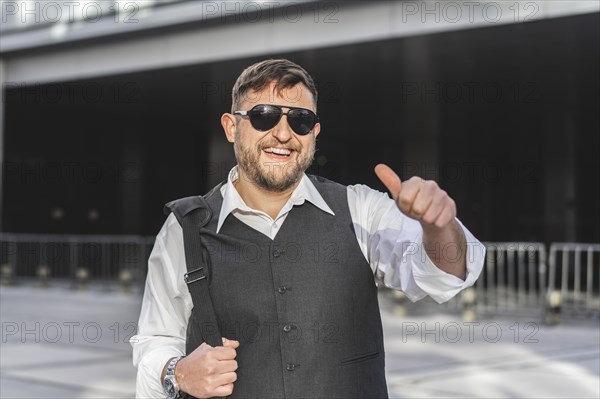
172, 364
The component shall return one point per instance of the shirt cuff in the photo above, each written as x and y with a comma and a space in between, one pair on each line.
442, 286
148, 384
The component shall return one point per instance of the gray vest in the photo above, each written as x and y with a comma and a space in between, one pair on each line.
303, 306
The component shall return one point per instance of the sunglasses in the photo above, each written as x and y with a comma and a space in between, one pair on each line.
265, 117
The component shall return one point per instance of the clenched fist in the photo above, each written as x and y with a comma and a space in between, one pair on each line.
422, 200
208, 371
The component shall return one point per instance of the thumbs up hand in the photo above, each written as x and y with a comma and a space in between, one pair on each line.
425, 201
419, 199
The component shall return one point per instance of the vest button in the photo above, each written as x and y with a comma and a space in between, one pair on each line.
287, 328
282, 289
277, 253
290, 367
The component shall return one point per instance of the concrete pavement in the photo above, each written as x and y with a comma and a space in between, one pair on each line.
62, 343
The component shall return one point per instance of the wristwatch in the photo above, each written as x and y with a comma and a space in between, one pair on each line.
169, 383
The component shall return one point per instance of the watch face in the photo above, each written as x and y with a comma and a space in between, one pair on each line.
169, 387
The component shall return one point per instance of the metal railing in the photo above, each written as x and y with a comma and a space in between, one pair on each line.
574, 279
513, 279
100, 258
519, 278
526, 279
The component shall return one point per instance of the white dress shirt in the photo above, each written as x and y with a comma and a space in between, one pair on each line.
390, 241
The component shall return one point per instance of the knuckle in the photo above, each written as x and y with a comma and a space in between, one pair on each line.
209, 369
433, 187
210, 380
418, 209
404, 199
444, 221
428, 219
204, 346
451, 206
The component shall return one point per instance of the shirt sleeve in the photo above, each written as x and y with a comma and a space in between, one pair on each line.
166, 307
392, 243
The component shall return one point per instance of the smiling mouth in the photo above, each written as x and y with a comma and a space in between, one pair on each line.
279, 153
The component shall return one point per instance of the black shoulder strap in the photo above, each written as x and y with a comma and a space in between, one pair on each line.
193, 213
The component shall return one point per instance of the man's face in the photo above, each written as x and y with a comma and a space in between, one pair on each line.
274, 160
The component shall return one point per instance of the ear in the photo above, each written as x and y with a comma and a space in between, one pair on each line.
317, 129
229, 124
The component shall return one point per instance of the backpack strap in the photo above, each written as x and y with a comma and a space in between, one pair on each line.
193, 213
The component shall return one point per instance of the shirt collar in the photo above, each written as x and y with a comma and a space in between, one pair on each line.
233, 202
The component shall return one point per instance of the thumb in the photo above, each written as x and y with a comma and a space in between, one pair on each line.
230, 343
389, 178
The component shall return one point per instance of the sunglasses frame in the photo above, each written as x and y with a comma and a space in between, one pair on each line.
281, 113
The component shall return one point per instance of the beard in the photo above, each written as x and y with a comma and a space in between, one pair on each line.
272, 176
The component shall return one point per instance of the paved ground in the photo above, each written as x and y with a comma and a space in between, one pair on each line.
61, 343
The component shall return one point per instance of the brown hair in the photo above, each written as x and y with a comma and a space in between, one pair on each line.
256, 77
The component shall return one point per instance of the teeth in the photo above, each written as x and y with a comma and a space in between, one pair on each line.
280, 151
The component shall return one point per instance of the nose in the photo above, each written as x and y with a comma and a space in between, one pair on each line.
282, 131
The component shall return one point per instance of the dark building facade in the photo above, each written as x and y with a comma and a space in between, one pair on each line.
505, 118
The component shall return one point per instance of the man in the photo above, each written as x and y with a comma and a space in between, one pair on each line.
293, 262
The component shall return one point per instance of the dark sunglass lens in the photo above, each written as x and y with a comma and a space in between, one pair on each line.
302, 121
264, 117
